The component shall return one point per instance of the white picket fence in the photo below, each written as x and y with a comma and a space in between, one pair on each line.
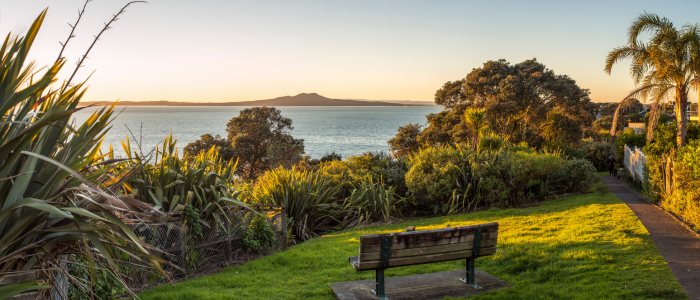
634, 162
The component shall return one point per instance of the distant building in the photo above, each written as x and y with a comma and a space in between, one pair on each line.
637, 127
693, 112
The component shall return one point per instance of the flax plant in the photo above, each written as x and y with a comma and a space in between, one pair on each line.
170, 183
310, 200
373, 201
54, 202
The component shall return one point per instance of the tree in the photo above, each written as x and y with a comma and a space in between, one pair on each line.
206, 142
608, 109
516, 99
260, 139
476, 119
666, 66
558, 127
406, 140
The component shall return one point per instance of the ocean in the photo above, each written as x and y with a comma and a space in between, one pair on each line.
343, 130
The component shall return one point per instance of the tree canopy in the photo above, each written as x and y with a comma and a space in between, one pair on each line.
259, 138
518, 102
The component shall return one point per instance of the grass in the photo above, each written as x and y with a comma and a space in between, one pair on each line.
578, 247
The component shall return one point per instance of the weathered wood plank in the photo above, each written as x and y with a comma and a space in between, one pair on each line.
416, 260
394, 254
427, 243
412, 236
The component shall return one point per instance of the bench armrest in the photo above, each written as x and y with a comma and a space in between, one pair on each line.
354, 261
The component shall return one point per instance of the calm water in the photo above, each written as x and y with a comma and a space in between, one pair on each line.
345, 130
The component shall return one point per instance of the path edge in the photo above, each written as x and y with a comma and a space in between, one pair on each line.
675, 216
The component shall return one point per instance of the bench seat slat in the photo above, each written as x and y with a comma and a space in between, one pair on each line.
413, 236
402, 253
416, 260
427, 243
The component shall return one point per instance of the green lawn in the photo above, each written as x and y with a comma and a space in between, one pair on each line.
578, 247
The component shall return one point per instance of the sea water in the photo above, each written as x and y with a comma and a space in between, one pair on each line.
343, 130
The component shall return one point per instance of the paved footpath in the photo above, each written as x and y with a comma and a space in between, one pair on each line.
679, 246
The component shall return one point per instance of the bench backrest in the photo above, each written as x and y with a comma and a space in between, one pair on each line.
428, 246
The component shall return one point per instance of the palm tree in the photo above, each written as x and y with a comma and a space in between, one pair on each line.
665, 67
476, 119
625, 104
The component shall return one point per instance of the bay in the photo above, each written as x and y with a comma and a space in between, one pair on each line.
343, 130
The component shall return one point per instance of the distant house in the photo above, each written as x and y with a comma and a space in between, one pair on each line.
637, 127
693, 112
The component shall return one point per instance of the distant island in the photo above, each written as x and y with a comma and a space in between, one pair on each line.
304, 99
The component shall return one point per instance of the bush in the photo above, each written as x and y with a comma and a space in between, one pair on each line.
447, 179
566, 151
629, 139
577, 175
516, 178
309, 200
433, 171
682, 198
597, 153
379, 166
259, 235
665, 137
491, 143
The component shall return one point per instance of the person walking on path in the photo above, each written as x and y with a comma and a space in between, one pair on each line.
611, 165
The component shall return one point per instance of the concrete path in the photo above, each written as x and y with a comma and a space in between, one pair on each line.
433, 286
679, 246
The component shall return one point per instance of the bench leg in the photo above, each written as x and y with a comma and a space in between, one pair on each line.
470, 274
379, 285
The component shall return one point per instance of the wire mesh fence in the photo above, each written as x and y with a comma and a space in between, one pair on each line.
220, 243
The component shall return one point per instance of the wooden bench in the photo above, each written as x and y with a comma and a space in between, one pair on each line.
388, 250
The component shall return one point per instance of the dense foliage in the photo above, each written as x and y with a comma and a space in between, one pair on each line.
598, 153
631, 140
519, 102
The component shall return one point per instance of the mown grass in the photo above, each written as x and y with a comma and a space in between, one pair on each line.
578, 247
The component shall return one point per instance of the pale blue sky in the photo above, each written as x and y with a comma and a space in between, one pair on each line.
212, 51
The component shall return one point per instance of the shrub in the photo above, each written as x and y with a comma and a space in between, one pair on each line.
433, 171
683, 197
309, 200
577, 175
259, 235
566, 151
491, 143
665, 138
515, 178
377, 165
597, 153
629, 139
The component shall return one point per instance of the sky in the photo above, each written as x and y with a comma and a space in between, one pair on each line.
223, 50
